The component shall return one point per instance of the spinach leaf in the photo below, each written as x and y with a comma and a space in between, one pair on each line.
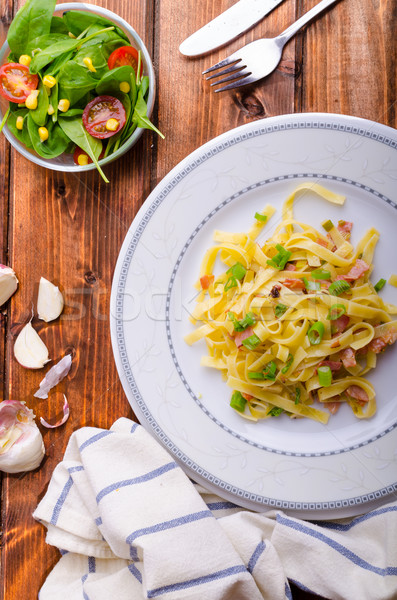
53, 100
32, 20
72, 112
44, 41
98, 57
76, 21
40, 114
21, 134
110, 82
140, 117
75, 131
144, 85
58, 26
55, 145
5, 118
75, 81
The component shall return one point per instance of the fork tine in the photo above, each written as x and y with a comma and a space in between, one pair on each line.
223, 63
232, 69
233, 77
249, 78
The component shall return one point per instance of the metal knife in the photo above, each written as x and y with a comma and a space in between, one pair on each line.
231, 23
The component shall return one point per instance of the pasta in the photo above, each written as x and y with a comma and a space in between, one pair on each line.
293, 324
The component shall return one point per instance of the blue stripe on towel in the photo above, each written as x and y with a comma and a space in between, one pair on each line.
141, 479
135, 572
182, 585
302, 587
347, 526
61, 500
98, 521
221, 505
94, 438
134, 426
75, 469
354, 558
255, 556
288, 593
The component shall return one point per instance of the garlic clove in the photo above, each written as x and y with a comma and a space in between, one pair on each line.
29, 349
61, 421
21, 443
54, 376
50, 301
8, 283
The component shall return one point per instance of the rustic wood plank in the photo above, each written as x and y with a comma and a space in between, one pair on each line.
70, 232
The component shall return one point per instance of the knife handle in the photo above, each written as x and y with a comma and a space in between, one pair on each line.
313, 12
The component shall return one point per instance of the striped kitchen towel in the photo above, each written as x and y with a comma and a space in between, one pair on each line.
129, 524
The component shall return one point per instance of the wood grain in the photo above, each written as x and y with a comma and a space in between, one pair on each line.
69, 229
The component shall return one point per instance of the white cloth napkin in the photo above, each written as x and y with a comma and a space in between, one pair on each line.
131, 525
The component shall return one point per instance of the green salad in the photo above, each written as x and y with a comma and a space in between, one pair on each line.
75, 84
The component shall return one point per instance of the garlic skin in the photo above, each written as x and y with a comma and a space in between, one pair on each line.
54, 376
8, 283
21, 443
29, 349
50, 301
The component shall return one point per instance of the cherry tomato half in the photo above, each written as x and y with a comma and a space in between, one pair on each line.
16, 83
79, 152
126, 55
99, 112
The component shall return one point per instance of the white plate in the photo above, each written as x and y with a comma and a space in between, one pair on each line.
302, 467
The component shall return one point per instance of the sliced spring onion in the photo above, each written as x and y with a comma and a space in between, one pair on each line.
336, 311
275, 411
261, 218
315, 333
324, 376
279, 310
247, 321
321, 274
378, 286
269, 372
311, 286
237, 401
251, 342
235, 272
256, 375
339, 287
287, 364
280, 260
328, 225
297, 395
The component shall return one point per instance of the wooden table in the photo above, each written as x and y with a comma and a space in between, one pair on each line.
69, 229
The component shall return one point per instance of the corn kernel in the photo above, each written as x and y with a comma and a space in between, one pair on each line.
82, 160
88, 63
70, 34
112, 124
24, 60
19, 123
63, 105
50, 110
43, 133
49, 81
31, 100
125, 87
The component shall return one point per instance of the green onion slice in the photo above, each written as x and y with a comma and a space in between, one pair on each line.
315, 333
275, 411
235, 272
251, 342
336, 311
378, 286
261, 218
280, 260
279, 310
324, 376
311, 286
297, 395
287, 364
247, 321
237, 401
256, 375
321, 274
328, 225
339, 287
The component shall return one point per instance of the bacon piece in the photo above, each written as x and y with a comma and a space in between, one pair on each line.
294, 284
348, 357
206, 281
355, 272
290, 267
345, 227
242, 335
247, 397
356, 392
387, 339
340, 324
334, 365
333, 407
322, 242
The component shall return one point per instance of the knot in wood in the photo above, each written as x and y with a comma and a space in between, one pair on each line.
61, 189
90, 278
252, 106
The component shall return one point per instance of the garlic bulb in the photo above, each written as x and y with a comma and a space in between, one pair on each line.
21, 443
8, 283
29, 349
49, 301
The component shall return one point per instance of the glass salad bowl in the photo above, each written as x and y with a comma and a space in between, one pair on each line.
65, 161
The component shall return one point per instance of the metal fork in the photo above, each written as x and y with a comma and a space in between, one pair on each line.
259, 58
